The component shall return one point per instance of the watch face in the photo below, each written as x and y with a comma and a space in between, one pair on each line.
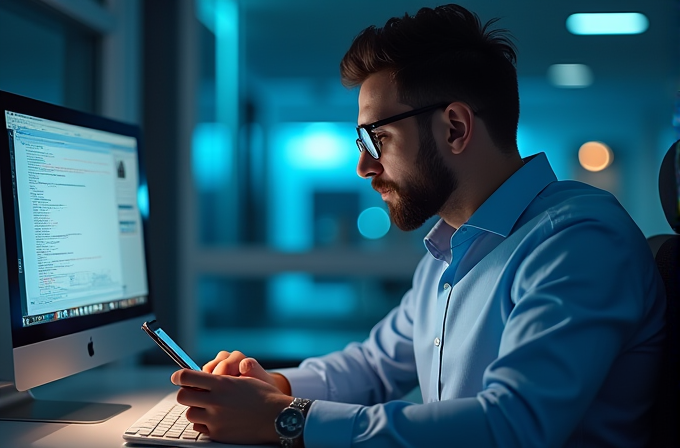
289, 423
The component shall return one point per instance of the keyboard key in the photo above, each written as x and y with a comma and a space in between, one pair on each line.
159, 432
190, 434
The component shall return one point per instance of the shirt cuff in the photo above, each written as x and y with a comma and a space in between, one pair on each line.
330, 425
305, 383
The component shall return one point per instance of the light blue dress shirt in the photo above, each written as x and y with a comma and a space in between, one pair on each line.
538, 323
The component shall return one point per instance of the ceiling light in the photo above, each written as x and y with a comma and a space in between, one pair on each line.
607, 23
570, 75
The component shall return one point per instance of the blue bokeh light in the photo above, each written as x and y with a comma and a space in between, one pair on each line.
570, 75
211, 149
373, 223
143, 200
607, 23
319, 146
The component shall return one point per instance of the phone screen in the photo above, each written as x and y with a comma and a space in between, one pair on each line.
169, 346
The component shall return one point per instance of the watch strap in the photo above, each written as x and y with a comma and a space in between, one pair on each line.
302, 405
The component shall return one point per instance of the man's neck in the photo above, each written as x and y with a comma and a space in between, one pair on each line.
477, 186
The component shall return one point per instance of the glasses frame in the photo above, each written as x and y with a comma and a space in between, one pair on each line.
369, 128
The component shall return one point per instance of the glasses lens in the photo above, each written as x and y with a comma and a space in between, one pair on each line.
367, 142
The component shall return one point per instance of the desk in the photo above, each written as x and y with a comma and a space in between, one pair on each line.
140, 387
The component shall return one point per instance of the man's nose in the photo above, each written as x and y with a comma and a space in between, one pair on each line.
367, 166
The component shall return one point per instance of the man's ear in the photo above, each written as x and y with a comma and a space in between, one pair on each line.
460, 121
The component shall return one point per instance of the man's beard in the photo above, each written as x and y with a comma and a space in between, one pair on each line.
423, 194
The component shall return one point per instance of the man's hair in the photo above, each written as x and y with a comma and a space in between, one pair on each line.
443, 54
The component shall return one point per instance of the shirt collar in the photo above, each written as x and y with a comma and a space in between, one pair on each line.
500, 212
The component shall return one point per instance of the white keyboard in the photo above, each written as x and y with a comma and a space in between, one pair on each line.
165, 424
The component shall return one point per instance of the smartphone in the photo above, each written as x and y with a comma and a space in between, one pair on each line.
169, 346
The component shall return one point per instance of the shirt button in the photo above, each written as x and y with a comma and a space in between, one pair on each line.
436, 342
446, 286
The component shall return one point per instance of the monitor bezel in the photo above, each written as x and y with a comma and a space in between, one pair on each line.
22, 336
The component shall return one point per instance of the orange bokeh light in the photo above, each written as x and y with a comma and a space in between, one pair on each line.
595, 156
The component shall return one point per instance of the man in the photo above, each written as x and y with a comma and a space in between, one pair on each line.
536, 318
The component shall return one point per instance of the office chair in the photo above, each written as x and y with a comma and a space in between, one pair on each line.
666, 249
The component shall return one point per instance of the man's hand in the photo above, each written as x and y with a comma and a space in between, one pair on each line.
231, 409
237, 364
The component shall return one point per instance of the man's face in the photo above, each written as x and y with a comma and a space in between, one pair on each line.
411, 174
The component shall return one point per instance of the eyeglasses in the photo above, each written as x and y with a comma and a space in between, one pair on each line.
367, 139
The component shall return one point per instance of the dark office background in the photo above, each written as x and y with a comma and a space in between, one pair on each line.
262, 236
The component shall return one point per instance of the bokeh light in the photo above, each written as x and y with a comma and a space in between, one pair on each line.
373, 223
595, 156
607, 23
143, 200
570, 75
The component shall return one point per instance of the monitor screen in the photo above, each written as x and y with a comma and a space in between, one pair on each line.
74, 205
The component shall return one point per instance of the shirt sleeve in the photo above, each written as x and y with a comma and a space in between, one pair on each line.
305, 383
460, 423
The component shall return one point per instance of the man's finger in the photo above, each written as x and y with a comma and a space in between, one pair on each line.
197, 415
202, 429
193, 378
193, 397
210, 365
229, 366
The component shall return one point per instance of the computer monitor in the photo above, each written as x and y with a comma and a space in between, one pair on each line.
74, 289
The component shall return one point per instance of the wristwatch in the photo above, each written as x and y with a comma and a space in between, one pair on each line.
291, 421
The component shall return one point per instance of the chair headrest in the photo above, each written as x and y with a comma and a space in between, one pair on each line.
669, 186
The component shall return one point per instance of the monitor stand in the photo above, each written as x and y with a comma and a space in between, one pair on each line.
23, 406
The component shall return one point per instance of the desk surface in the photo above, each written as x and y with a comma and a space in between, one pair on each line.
139, 387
